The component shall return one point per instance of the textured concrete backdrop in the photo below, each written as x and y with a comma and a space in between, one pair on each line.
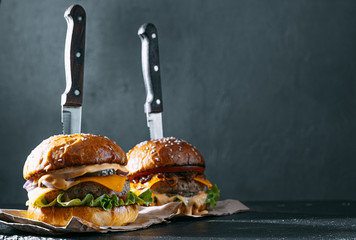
264, 89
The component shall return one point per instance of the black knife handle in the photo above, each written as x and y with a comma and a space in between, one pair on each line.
150, 68
74, 55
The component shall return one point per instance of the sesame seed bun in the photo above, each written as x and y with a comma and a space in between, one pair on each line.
160, 153
61, 151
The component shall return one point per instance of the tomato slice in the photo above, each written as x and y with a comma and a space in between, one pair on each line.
168, 169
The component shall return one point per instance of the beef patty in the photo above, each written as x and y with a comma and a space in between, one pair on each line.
179, 186
82, 189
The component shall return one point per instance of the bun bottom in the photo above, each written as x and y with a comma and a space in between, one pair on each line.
117, 216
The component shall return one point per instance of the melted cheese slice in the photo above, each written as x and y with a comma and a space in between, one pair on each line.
203, 181
139, 188
113, 182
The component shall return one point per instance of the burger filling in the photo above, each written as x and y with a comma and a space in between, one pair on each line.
82, 189
189, 187
180, 183
103, 185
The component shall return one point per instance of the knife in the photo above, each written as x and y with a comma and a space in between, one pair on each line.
74, 67
152, 79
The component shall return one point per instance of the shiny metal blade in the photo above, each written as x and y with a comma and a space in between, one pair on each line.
154, 123
71, 119
66, 122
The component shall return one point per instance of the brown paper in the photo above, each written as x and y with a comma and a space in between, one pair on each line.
147, 217
225, 207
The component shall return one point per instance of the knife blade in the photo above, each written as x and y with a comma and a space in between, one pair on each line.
152, 79
74, 68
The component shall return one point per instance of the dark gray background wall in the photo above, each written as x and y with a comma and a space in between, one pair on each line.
264, 89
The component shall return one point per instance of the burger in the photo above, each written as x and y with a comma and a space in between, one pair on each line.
83, 176
174, 171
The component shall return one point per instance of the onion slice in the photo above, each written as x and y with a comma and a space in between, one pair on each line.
29, 185
48, 184
121, 173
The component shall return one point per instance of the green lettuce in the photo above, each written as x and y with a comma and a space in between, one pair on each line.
104, 201
144, 198
213, 196
42, 202
87, 201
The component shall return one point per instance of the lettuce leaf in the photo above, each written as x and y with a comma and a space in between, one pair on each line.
104, 201
213, 196
87, 201
42, 202
146, 197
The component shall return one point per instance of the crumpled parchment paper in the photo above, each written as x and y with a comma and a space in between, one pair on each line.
147, 216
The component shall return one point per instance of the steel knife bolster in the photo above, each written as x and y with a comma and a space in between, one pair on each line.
71, 119
154, 123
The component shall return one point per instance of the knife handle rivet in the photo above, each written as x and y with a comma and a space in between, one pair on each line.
158, 101
155, 68
80, 18
154, 35
77, 54
76, 92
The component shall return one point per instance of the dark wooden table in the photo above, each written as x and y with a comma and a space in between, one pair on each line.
266, 220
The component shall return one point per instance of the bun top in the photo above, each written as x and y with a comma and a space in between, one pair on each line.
63, 151
162, 152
